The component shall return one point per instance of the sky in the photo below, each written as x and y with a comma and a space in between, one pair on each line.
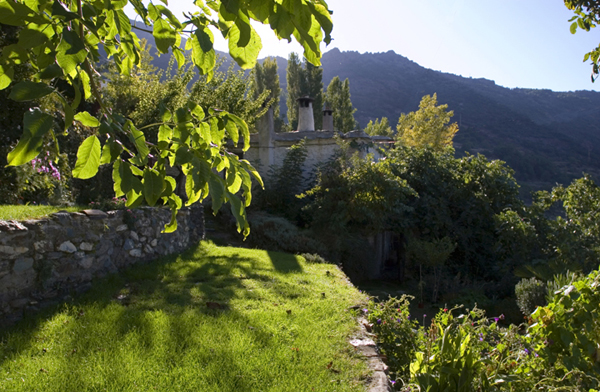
516, 43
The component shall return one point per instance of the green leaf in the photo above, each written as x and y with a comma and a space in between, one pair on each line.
52, 71
69, 115
154, 186
28, 91
217, 192
245, 55
70, 52
137, 137
164, 35
117, 181
232, 131
35, 125
87, 119
573, 27
241, 124
6, 75
61, 13
88, 158
203, 54
111, 151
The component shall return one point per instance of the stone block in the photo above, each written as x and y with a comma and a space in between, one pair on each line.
67, 247
148, 249
134, 236
87, 262
143, 239
13, 251
135, 253
79, 255
121, 228
95, 214
154, 242
54, 255
23, 264
43, 246
128, 245
86, 246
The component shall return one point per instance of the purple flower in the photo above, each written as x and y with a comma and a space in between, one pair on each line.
392, 382
408, 317
366, 310
378, 321
526, 351
496, 319
398, 320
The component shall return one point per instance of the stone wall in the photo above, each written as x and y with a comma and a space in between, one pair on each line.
43, 261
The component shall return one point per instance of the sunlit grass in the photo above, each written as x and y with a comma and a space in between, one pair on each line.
22, 212
214, 319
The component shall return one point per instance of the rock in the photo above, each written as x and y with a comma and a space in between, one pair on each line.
42, 246
86, 262
134, 236
154, 242
148, 249
67, 247
86, 246
11, 226
128, 244
19, 303
13, 250
23, 264
143, 239
95, 214
135, 253
121, 228
79, 255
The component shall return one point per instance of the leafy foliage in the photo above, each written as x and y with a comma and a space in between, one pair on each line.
266, 78
587, 16
60, 41
427, 127
382, 128
338, 98
462, 350
303, 80
530, 293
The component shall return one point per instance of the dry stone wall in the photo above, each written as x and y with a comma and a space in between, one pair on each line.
43, 261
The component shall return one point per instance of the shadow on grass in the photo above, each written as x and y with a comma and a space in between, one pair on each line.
196, 282
284, 262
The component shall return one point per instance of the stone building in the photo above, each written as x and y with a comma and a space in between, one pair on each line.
268, 148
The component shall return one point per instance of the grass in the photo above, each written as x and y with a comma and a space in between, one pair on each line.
212, 319
22, 212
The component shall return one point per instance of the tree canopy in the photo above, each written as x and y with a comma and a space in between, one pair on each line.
338, 98
587, 16
428, 126
303, 80
60, 41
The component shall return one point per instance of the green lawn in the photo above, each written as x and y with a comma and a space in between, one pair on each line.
20, 212
213, 319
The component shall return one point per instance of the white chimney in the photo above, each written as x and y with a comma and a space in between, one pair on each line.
306, 119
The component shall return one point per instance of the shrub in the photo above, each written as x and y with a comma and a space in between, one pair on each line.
530, 293
278, 234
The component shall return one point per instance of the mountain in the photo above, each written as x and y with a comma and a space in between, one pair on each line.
547, 137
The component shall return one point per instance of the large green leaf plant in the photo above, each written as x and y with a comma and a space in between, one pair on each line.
61, 40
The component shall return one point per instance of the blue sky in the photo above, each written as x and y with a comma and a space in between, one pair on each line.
523, 43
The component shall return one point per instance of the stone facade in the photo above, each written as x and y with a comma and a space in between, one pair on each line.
268, 148
44, 260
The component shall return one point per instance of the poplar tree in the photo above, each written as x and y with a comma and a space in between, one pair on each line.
338, 98
266, 78
304, 80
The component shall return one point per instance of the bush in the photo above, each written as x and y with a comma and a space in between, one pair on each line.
530, 293
278, 234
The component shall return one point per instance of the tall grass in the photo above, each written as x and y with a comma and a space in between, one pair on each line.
22, 212
213, 319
